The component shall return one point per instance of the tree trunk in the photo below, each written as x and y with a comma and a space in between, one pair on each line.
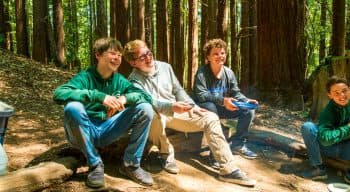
122, 28
138, 25
75, 34
192, 43
101, 18
212, 18
204, 28
338, 28
244, 39
21, 28
177, 51
148, 23
59, 32
253, 51
222, 19
323, 20
162, 31
234, 41
5, 27
41, 46
281, 50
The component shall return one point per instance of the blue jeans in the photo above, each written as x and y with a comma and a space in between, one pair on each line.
315, 149
86, 134
245, 118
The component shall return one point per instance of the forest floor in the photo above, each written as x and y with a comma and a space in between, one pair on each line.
35, 132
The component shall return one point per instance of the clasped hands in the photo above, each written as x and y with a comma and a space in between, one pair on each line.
114, 104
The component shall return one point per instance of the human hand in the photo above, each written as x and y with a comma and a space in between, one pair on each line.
197, 110
228, 104
114, 104
181, 107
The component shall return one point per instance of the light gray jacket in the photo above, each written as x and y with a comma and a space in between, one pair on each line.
163, 86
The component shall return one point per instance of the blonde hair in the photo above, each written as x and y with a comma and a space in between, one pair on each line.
131, 47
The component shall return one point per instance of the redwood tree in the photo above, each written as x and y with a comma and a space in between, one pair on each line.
281, 50
192, 43
41, 43
162, 31
21, 28
59, 32
338, 28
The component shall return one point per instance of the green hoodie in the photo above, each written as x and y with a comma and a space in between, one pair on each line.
89, 88
333, 124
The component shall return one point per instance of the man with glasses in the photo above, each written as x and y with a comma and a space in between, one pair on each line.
100, 107
176, 110
331, 137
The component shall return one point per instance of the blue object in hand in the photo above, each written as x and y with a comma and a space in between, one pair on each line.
245, 105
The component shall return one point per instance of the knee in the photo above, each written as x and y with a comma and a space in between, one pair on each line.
72, 108
209, 105
249, 114
308, 128
146, 110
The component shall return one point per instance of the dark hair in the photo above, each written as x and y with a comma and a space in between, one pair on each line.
213, 43
103, 44
335, 80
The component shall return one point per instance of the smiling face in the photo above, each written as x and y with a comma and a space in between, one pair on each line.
339, 93
217, 57
108, 62
143, 60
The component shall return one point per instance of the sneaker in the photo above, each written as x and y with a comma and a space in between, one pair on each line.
213, 163
238, 177
244, 151
137, 174
347, 176
169, 166
315, 174
95, 178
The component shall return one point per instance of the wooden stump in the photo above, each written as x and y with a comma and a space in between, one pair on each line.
337, 66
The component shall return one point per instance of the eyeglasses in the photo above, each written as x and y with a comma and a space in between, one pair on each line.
144, 56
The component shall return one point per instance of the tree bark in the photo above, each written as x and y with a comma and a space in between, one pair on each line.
222, 19
148, 23
281, 51
192, 43
253, 49
234, 40
212, 19
244, 40
338, 28
5, 27
101, 18
59, 32
323, 20
41, 46
21, 28
177, 51
162, 31
204, 29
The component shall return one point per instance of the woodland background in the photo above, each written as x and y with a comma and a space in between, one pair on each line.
277, 48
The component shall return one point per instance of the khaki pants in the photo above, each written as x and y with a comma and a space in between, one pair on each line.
209, 124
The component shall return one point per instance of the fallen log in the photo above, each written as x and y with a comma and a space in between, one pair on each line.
39, 176
288, 144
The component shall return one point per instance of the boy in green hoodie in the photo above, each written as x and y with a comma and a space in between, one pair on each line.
331, 137
100, 107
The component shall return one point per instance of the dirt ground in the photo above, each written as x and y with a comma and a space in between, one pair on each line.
35, 133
